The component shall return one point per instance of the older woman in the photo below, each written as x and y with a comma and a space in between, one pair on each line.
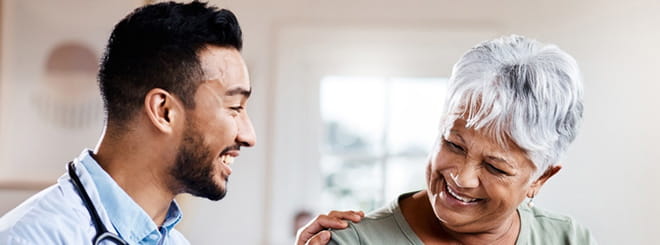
513, 107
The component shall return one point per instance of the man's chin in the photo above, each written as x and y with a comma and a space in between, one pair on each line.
219, 192
213, 192
217, 195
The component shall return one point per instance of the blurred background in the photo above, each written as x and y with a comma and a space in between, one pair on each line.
347, 96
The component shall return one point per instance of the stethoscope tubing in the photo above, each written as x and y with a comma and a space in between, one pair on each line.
101, 232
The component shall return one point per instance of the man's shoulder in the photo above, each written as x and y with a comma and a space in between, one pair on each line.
51, 203
48, 214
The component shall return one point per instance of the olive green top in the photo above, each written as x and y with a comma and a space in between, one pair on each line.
388, 226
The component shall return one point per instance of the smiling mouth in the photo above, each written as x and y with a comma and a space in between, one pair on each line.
227, 159
459, 197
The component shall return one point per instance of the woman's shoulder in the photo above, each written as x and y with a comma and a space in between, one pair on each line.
382, 226
375, 228
545, 216
540, 226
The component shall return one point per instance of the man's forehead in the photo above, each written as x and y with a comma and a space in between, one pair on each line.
224, 66
216, 90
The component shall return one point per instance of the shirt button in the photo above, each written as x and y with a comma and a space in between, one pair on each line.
153, 237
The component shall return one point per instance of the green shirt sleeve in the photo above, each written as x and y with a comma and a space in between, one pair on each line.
346, 236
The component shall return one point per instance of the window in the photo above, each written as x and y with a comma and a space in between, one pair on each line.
377, 134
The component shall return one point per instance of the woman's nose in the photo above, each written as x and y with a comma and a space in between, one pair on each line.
466, 177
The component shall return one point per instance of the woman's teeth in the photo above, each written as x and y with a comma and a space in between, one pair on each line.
463, 199
227, 159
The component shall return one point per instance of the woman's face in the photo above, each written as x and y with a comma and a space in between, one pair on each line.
474, 183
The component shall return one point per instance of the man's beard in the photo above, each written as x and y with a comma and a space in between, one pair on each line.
194, 168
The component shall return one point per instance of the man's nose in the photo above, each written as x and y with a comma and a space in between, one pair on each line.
246, 136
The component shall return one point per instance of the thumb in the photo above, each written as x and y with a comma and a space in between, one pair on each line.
322, 238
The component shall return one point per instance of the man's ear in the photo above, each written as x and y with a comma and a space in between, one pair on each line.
536, 185
162, 109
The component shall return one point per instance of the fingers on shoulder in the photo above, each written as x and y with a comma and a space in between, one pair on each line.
321, 238
354, 216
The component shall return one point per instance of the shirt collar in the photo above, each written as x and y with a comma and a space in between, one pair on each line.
127, 217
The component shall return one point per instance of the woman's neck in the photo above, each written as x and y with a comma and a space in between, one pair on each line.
419, 214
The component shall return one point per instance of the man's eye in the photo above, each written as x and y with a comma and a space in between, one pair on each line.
237, 108
495, 170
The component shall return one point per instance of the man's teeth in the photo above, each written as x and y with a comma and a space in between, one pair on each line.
463, 199
227, 159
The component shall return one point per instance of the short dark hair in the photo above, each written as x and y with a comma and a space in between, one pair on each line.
156, 46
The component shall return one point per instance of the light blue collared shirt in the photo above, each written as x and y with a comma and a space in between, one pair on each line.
57, 214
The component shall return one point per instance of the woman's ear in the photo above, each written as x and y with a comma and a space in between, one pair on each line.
536, 185
162, 109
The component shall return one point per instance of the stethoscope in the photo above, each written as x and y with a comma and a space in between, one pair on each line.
101, 232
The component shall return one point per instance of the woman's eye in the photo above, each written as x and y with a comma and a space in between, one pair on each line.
454, 147
495, 170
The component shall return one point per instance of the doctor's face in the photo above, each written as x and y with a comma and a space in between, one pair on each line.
217, 127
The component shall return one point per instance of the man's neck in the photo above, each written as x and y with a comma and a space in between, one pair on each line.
140, 172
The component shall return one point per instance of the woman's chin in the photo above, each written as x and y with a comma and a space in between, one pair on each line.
459, 224
455, 220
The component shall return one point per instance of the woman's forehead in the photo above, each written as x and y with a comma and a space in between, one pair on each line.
484, 141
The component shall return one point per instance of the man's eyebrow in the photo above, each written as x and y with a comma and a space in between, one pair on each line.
239, 90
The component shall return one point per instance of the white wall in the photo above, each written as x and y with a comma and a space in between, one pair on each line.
610, 173
30, 30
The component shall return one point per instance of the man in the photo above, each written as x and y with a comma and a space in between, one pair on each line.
175, 88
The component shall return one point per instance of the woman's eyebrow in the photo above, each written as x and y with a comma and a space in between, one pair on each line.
500, 159
455, 132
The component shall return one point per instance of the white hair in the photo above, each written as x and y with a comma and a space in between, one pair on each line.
519, 89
